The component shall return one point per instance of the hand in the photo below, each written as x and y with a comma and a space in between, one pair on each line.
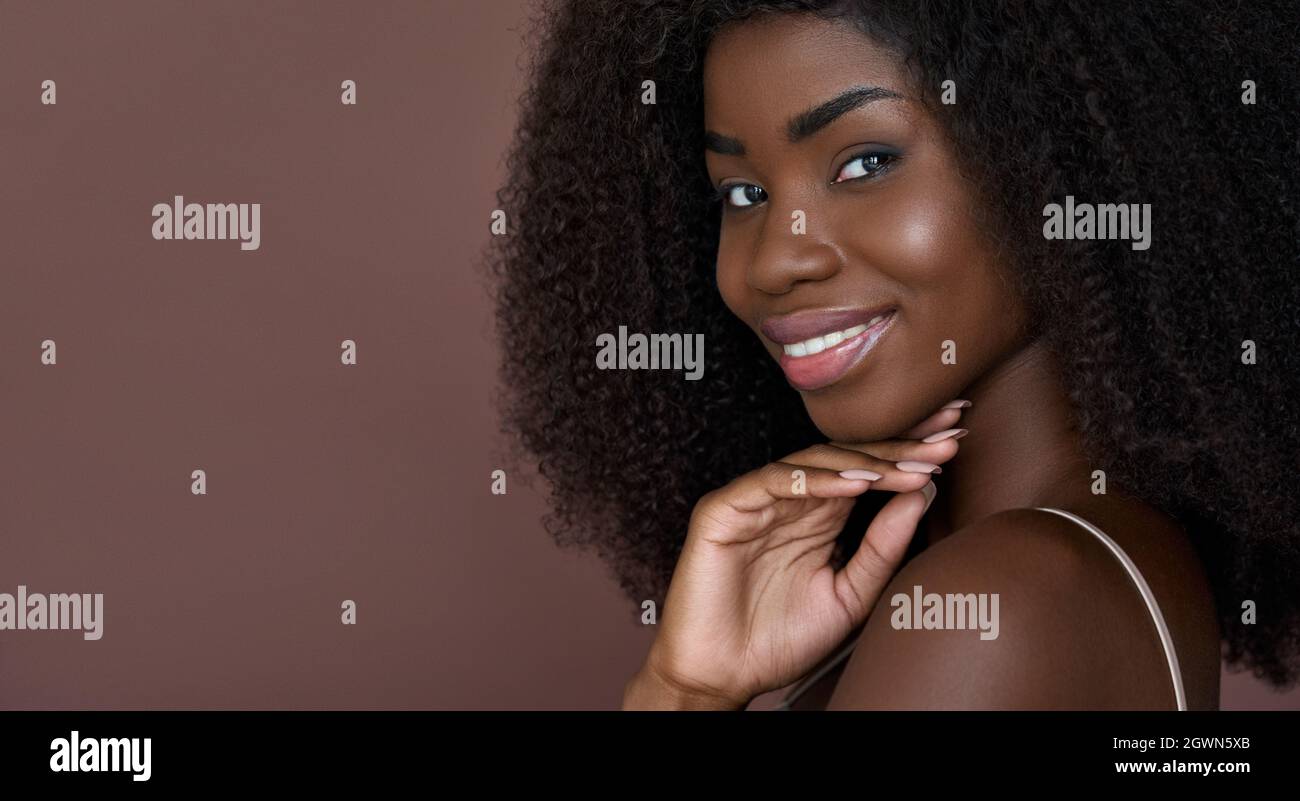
754, 603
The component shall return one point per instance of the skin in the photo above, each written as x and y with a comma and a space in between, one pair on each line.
753, 605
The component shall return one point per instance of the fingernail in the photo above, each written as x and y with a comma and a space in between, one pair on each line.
869, 475
919, 467
957, 404
929, 491
955, 433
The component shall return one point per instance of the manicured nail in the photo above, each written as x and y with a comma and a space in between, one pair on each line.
868, 475
955, 433
919, 467
957, 404
929, 491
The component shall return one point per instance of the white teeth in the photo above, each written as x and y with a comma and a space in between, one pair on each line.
818, 344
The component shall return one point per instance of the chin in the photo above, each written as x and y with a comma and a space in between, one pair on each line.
851, 422
879, 406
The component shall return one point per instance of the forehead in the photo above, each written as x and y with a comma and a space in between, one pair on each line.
760, 70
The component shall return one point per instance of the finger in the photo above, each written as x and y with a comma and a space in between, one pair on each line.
946, 417
859, 584
937, 427
785, 481
902, 476
942, 447
834, 455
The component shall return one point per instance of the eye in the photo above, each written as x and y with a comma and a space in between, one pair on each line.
864, 165
741, 195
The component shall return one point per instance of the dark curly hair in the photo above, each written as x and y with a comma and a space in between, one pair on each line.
610, 223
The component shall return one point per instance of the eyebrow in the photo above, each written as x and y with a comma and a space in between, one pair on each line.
803, 125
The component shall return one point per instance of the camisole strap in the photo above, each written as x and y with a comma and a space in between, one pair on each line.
1166, 640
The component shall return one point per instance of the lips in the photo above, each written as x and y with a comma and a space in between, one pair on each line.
822, 346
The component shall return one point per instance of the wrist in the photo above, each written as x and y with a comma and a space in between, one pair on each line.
650, 689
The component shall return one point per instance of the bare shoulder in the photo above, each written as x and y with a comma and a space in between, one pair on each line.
1022, 610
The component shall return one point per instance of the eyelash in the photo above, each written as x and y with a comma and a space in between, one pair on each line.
720, 194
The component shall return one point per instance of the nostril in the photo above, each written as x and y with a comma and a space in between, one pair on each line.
786, 260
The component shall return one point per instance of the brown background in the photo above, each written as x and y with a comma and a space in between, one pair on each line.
325, 482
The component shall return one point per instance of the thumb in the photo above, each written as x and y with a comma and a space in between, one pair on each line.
861, 581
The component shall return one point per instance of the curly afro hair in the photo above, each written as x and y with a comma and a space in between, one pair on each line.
610, 223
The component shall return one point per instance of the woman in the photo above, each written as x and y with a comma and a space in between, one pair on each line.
921, 380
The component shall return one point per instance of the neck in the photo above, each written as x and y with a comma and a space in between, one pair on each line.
1022, 449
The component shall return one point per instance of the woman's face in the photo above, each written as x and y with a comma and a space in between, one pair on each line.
890, 271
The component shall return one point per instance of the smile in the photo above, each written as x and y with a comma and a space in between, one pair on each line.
815, 345
845, 339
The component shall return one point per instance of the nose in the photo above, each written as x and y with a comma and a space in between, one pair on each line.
785, 257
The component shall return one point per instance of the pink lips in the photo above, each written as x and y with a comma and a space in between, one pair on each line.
822, 369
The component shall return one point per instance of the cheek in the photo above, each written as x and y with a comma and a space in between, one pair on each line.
923, 249
950, 288
961, 316
730, 276
920, 244
922, 239
925, 244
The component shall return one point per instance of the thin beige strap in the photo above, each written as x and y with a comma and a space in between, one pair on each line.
1166, 640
